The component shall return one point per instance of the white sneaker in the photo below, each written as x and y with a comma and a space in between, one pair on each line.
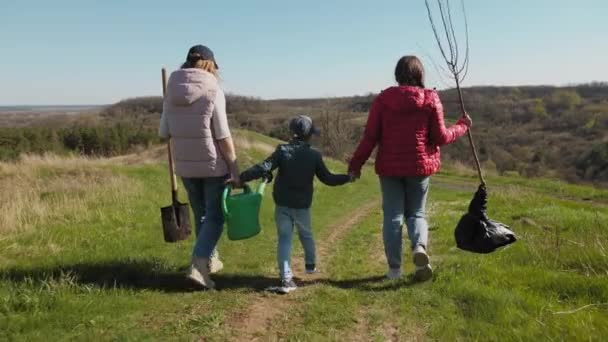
194, 275
199, 272
423, 273
394, 273
215, 265
287, 286
420, 257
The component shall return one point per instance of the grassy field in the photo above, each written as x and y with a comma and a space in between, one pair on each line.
82, 258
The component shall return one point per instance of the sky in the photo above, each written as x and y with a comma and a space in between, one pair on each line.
98, 52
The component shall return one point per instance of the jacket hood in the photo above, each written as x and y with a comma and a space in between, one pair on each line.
187, 86
405, 97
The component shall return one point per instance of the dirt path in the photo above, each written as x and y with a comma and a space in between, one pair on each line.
363, 330
255, 321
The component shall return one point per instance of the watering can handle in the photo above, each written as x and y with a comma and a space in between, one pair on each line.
226, 194
261, 187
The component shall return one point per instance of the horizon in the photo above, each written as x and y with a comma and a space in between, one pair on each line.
4, 107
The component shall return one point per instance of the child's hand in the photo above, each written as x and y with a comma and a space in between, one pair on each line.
354, 175
268, 177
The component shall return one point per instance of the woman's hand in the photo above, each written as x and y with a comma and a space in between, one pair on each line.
235, 181
466, 119
354, 175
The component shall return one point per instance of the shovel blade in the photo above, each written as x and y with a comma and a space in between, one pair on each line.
176, 222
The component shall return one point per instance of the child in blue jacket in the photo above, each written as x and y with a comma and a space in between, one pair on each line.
298, 164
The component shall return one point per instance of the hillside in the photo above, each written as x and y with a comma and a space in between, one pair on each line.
559, 132
82, 257
542, 131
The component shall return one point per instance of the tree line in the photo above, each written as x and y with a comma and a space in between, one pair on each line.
530, 131
101, 140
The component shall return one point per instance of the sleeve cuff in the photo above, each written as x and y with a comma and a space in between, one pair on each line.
223, 136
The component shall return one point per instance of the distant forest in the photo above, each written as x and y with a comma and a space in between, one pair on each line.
532, 131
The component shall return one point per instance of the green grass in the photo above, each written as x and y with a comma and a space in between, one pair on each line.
516, 293
553, 187
104, 273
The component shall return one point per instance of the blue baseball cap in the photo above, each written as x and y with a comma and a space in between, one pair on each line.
201, 52
302, 127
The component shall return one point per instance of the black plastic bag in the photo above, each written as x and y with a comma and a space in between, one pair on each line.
476, 232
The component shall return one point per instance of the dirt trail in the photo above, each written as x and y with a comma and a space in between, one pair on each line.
363, 330
255, 321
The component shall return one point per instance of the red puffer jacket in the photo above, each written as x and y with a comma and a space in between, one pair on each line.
407, 125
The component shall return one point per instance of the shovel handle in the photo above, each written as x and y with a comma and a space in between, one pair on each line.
171, 167
169, 148
163, 74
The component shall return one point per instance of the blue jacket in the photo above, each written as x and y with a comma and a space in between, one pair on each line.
298, 163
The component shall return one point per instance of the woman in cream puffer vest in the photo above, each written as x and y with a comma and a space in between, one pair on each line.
194, 116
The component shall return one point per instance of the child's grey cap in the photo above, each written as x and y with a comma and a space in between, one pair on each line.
302, 127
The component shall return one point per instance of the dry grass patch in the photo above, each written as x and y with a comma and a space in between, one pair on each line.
246, 143
37, 189
143, 156
40, 189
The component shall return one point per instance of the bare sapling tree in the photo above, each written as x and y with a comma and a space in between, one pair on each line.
456, 59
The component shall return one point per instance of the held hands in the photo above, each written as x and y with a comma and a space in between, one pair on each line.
235, 181
354, 175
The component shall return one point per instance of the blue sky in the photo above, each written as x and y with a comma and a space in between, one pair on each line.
98, 52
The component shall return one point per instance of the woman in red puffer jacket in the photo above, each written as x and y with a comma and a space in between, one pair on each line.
406, 122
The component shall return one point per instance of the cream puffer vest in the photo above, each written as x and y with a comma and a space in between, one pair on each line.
188, 107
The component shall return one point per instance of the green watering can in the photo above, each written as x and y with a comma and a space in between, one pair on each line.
242, 211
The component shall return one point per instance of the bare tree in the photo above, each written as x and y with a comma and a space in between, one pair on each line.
456, 59
337, 137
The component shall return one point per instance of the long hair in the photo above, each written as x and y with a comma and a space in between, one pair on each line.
409, 71
195, 61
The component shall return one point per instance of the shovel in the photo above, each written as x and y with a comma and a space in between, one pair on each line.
176, 217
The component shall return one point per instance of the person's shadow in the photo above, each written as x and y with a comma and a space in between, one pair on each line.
149, 275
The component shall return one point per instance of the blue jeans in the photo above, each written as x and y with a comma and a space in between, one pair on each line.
205, 196
286, 219
403, 198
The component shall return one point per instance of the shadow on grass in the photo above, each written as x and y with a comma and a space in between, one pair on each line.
155, 276
373, 284
129, 274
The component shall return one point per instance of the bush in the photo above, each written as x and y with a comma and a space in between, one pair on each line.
594, 163
565, 100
